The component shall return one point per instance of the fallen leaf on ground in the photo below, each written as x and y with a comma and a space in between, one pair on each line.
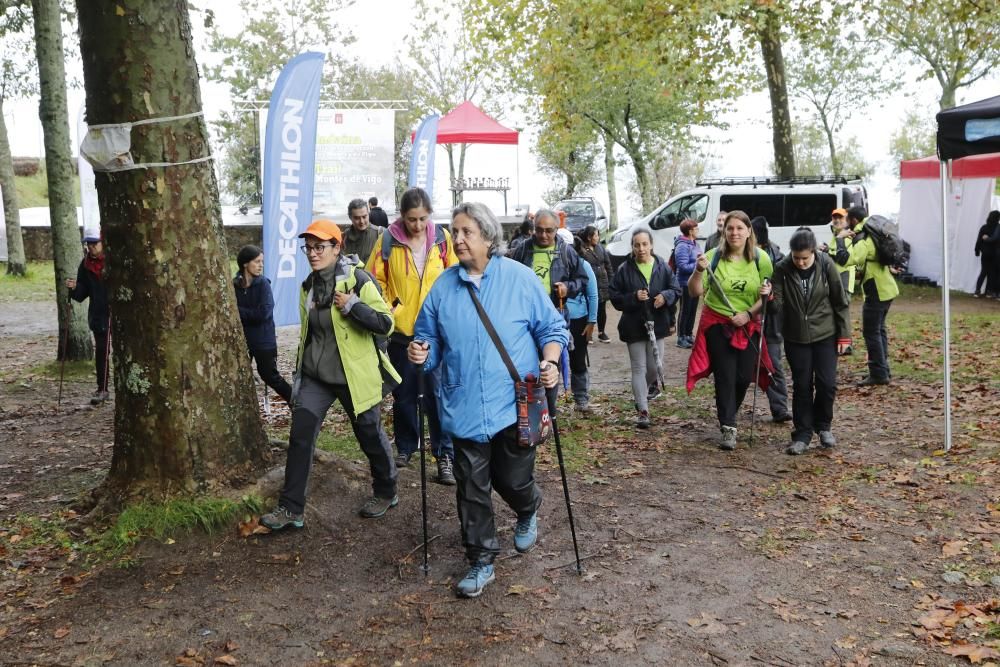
706, 624
975, 654
61, 632
225, 660
517, 589
953, 548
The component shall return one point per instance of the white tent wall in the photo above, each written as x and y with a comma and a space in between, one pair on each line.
920, 226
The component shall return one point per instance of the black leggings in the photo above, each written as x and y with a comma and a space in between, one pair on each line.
267, 369
602, 315
102, 350
732, 370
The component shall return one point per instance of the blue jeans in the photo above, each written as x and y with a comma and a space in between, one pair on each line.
404, 407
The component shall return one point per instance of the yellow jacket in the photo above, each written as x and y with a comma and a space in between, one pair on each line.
403, 287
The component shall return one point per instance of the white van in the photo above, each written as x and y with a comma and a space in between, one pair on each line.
786, 203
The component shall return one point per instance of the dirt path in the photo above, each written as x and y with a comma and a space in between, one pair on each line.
691, 556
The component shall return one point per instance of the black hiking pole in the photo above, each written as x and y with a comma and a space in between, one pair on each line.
760, 356
423, 462
565, 484
62, 351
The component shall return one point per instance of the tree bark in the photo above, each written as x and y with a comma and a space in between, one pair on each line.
65, 232
186, 416
781, 117
609, 170
828, 131
16, 264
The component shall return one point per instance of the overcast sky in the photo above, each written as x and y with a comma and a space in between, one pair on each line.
744, 150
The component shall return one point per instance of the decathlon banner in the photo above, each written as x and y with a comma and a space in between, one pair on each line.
422, 157
289, 170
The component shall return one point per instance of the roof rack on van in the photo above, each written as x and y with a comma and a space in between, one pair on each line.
821, 179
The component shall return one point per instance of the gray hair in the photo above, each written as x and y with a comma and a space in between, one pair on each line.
489, 226
547, 213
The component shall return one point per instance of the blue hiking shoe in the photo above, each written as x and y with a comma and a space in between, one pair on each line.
526, 533
281, 518
475, 581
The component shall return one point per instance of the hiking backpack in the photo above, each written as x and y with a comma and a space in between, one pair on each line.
440, 240
890, 249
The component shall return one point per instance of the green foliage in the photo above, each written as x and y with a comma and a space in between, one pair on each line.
567, 152
37, 285
818, 75
956, 41
160, 521
673, 168
34, 190
915, 138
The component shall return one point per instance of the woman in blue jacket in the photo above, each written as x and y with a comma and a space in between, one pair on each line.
643, 289
476, 394
256, 305
686, 252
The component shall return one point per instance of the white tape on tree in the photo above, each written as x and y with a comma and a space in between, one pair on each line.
107, 147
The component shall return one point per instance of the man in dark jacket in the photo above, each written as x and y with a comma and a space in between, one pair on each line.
375, 213
89, 283
555, 263
360, 237
777, 391
716, 236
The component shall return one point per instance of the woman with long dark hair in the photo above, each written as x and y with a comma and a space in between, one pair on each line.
588, 246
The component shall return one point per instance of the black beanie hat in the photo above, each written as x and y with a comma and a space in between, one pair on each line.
246, 254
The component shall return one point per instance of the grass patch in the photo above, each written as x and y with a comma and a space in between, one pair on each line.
33, 190
75, 370
162, 520
38, 285
340, 442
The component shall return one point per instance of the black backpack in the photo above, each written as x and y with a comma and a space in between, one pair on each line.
891, 250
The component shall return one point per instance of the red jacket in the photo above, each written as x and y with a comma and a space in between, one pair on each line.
699, 363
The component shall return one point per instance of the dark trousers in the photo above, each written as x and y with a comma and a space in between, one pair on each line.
309, 408
602, 315
732, 370
777, 390
578, 375
873, 315
267, 369
480, 468
984, 272
814, 375
404, 406
102, 350
688, 313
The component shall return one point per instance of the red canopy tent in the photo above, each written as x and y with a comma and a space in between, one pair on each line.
467, 124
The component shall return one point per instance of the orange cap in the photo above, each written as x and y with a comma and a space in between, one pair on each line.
842, 212
324, 230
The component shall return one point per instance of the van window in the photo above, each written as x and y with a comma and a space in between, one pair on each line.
692, 206
783, 210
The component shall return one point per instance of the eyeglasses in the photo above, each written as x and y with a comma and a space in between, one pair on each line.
545, 230
317, 249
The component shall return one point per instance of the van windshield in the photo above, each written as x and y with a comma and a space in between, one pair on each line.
783, 210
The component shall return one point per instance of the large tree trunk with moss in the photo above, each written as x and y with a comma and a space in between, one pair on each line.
16, 265
63, 227
781, 117
186, 417
609, 171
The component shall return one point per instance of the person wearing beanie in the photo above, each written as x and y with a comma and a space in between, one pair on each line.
341, 313
89, 284
255, 301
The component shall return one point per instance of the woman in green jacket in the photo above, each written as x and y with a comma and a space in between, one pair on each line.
808, 292
341, 311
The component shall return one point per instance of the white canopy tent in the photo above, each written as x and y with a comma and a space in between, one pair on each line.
970, 199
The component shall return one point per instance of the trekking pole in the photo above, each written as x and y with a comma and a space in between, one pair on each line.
760, 355
425, 568
62, 351
565, 485
714, 282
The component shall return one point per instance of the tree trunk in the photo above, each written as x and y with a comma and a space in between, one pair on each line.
947, 99
609, 170
65, 232
455, 194
16, 265
461, 172
781, 117
571, 183
828, 131
186, 416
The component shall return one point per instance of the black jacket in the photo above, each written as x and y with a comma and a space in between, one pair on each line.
89, 286
627, 281
825, 315
256, 306
600, 262
377, 217
565, 269
988, 248
772, 325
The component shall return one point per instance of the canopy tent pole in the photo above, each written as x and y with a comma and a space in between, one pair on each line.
946, 300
